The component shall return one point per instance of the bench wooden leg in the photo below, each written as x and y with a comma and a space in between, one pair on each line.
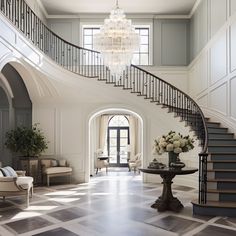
48, 180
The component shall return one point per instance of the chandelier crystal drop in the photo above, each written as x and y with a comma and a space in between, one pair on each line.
117, 42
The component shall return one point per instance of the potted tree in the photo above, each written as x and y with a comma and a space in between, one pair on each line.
29, 142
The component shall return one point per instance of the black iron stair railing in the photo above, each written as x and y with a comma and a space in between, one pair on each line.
89, 63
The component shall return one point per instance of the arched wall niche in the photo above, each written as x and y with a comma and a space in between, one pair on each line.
15, 107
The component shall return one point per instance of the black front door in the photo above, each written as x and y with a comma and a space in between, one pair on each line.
118, 139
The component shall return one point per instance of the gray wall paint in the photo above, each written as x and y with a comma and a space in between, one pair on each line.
199, 29
174, 42
170, 38
68, 29
209, 17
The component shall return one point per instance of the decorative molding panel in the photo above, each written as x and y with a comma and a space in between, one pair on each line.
46, 117
232, 7
218, 99
232, 98
28, 51
4, 50
8, 35
174, 43
218, 14
233, 47
218, 59
202, 101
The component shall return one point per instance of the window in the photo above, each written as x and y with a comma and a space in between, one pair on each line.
88, 36
140, 57
118, 121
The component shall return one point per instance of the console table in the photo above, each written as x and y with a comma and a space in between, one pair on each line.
166, 201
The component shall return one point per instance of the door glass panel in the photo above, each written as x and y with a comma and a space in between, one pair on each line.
123, 141
124, 133
118, 140
123, 154
113, 142
113, 133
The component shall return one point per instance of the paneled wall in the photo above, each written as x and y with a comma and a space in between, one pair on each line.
212, 75
169, 37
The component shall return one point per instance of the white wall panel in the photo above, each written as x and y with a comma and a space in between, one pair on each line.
233, 98
218, 14
233, 47
232, 7
202, 101
218, 99
46, 117
71, 131
219, 59
203, 72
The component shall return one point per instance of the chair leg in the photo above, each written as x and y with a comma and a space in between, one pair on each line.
4, 198
27, 198
97, 171
31, 191
48, 180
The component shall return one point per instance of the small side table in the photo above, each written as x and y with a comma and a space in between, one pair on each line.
166, 201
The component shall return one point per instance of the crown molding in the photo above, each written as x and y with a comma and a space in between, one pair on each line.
93, 15
171, 17
43, 9
195, 6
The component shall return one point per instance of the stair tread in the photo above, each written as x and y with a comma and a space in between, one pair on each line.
220, 133
212, 122
222, 170
222, 145
221, 191
222, 161
222, 139
223, 153
221, 180
221, 204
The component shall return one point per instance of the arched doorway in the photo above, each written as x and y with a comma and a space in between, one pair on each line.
114, 120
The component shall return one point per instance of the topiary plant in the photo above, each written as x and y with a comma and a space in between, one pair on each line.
26, 141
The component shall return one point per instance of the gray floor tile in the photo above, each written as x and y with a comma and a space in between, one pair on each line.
176, 224
57, 232
29, 224
216, 231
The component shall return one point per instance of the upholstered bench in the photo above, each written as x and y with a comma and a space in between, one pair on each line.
54, 168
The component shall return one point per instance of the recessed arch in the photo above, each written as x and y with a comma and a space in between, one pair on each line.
114, 111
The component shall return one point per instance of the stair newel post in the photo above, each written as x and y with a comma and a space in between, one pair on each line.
202, 199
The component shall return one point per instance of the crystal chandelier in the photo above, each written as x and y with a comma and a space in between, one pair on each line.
117, 42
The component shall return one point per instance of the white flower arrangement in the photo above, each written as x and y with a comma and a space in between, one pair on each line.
173, 142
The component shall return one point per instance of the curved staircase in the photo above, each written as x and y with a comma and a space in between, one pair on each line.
217, 171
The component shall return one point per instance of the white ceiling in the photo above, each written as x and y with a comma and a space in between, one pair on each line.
162, 7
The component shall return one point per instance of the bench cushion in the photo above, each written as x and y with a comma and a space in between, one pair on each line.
57, 170
25, 182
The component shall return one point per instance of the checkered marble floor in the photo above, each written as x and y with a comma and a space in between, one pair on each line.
116, 204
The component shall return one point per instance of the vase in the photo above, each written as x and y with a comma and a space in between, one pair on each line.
174, 161
172, 157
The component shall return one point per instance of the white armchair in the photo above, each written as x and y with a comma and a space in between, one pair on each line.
135, 162
19, 184
101, 162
